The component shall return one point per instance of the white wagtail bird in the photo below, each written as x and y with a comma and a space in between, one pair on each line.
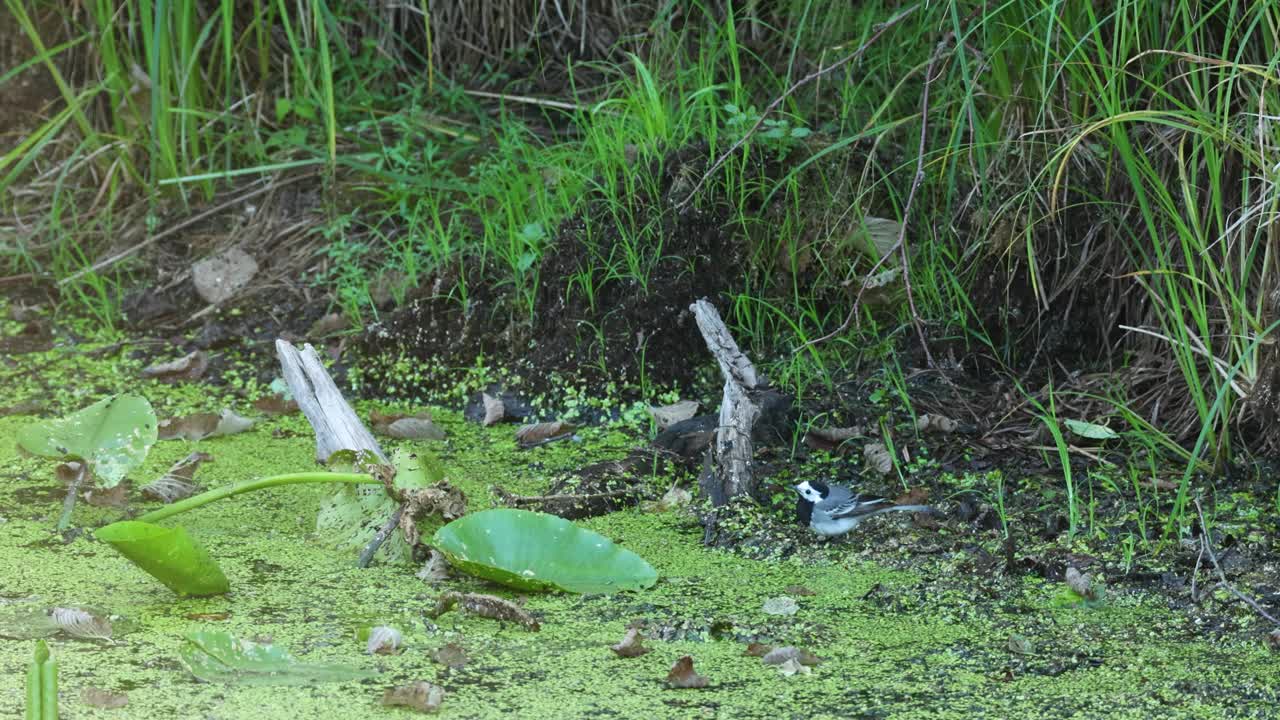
831, 510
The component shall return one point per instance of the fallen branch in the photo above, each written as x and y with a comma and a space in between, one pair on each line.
335, 423
879, 31
738, 411
1207, 545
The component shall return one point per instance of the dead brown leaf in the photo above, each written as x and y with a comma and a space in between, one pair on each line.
683, 676
178, 482
81, 623
1273, 640
418, 426
878, 457
799, 591
26, 407
933, 422
114, 497
832, 440
221, 276
275, 404
632, 645
103, 699
451, 655
778, 656
495, 410
490, 606
914, 496
203, 425
421, 696
539, 433
185, 369
327, 325
674, 498
436, 568
668, 415
1083, 584
756, 649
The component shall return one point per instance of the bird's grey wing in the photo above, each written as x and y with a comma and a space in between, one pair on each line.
854, 504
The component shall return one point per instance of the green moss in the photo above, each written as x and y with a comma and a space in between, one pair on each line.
926, 643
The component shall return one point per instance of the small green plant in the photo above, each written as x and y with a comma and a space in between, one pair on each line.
42, 684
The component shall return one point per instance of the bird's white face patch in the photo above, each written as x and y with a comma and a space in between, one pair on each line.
808, 492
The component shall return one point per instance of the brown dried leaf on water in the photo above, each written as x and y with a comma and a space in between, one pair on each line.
632, 645
529, 435
1084, 585
490, 606
384, 640
435, 569
1273, 640
327, 325
832, 440
451, 655
113, 497
756, 649
178, 482
799, 591
442, 498
935, 423
786, 653
203, 425
81, 623
421, 696
219, 277
275, 404
668, 415
103, 699
418, 426
185, 369
683, 676
495, 410
877, 457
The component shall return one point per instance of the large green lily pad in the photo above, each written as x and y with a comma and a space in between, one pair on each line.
113, 435
536, 551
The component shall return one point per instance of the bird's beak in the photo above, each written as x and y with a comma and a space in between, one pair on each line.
796, 487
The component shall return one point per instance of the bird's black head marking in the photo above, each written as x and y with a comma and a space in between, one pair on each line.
821, 487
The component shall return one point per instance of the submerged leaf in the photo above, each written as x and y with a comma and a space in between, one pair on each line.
168, 555
421, 696
113, 435
451, 655
683, 676
178, 482
80, 623
103, 699
222, 657
536, 551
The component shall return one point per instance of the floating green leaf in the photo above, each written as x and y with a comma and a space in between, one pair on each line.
167, 554
1090, 431
536, 551
222, 657
112, 435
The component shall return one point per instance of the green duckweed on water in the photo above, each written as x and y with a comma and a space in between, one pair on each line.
919, 642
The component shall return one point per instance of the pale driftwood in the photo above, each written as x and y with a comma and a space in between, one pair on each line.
335, 423
738, 411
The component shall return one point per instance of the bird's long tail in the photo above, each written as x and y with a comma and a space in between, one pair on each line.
906, 508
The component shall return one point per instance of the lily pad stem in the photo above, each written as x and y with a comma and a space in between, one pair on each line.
205, 498
69, 503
